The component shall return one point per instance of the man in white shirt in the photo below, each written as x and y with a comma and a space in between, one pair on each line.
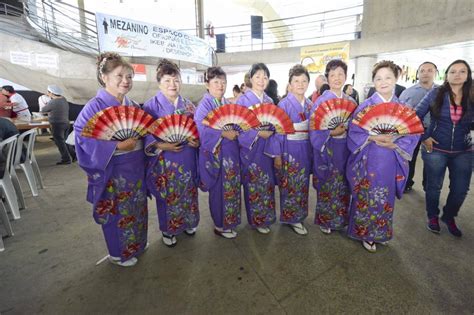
18, 103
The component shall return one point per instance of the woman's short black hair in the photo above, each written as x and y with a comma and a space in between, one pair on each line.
296, 71
333, 65
259, 66
213, 72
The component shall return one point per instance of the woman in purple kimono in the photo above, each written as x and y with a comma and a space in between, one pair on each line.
115, 169
257, 168
292, 153
219, 161
377, 168
172, 175
330, 158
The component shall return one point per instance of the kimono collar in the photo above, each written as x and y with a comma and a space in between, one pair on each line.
254, 99
259, 98
214, 100
178, 103
110, 100
335, 95
294, 100
391, 99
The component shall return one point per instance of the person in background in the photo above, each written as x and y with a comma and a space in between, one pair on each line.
325, 87
272, 91
19, 106
447, 144
172, 168
350, 91
7, 130
42, 101
58, 109
5, 106
236, 92
425, 74
377, 167
318, 83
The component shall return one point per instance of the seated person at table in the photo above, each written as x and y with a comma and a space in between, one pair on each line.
7, 129
18, 103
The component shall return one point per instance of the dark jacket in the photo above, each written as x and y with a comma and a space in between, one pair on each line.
451, 137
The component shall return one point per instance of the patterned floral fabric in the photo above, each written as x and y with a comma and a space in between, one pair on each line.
176, 188
261, 196
293, 186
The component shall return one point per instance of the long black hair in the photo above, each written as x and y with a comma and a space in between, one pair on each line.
445, 87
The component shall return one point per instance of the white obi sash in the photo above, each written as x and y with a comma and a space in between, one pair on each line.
301, 129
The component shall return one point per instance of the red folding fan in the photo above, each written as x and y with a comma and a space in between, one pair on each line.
231, 117
272, 117
118, 123
389, 118
174, 128
331, 114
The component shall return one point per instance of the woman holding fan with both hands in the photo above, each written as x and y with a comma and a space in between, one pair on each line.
378, 166
292, 153
115, 169
330, 151
219, 161
257, 168
172, 175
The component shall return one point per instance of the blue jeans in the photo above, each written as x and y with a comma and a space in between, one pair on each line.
460, 171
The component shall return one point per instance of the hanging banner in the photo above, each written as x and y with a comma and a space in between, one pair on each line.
315, 58
135, 38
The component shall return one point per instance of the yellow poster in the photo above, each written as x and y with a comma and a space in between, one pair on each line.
315, 58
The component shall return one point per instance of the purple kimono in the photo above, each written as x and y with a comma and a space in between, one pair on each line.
329, 173
257, 171
376, 175
172, 177
116, 184
219, 168
295, 152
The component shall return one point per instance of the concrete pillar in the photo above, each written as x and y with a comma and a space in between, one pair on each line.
363, 77
82, 18
200, 18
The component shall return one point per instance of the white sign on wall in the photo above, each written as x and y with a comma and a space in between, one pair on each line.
20, 58
47, 61
135, 38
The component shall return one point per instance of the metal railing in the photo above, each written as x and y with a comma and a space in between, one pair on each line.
64, 25
9, 10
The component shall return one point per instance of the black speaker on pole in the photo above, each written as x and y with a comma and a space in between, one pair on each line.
256, 26
220, 43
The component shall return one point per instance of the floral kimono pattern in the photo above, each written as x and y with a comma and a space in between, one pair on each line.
116, 184
219, 167
376, 176
172, 177
329, 174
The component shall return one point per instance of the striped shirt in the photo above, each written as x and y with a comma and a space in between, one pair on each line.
456, 113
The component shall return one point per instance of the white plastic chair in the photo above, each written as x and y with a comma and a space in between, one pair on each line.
6, 223
29, 165
6, 184
14, 177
